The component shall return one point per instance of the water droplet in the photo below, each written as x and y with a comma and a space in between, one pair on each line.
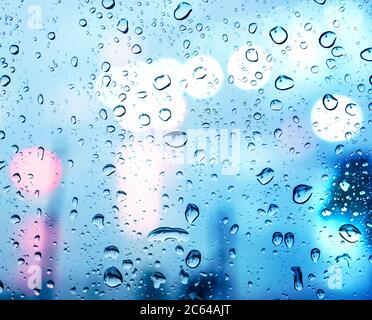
165, 114
182, 11
191, 213
111, 252
289, 239
351, 109
40, 99
4, 80
108, 169
366, 54
74, 61
277, 238
284, 83
252, 55
122, 25
51, 35
234, 229
144, 120
136, 49
112, 277
265, 176
108, 4
344, 185
321, 2
166, 233
252, 28
276, 105
127, 264
175, 139
327, 39
158, 279
302, 193
119, 111
14, 49
278, 34
297, 274
315, 254
161, 82
193, 259
278, 133
350, 233
329, 102
99, 221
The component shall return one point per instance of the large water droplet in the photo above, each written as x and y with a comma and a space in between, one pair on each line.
111, 252
4, 80
108, 4
182, 11
165, 114
158, 279
265, 176
277, 238
99, 221
175, 139
297, 274
191, 213
289, 239
252, 55
278, 34
366, 54
112, 277
122, 25
119, 111
166, 233
14, 49
108, 169
351, 109
327, 39
161, 82
193, 259
350, 233
315, 254
302, 193
330, 102
284, 83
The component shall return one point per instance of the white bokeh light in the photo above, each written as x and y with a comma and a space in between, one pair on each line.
203, 77
249, 67
338, 124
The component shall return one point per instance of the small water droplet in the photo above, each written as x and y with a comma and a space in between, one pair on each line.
108, 4
99, 221
4, 80
14, 49
158, 279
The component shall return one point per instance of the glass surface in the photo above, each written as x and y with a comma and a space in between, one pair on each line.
185, 150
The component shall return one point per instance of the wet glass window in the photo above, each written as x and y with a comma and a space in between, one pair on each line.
196, 149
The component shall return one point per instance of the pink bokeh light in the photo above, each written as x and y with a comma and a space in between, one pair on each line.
35, 171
